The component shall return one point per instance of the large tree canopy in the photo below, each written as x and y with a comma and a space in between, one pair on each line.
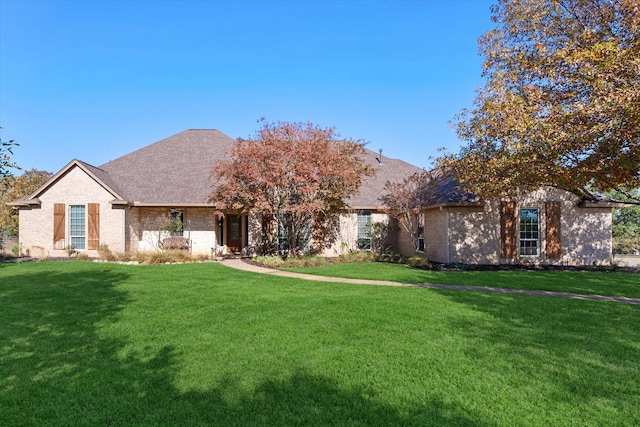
561, 104
296, 175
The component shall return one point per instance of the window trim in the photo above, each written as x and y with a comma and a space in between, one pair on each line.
283, 241
420, 239
420, 233
363, 241
74, 236
536, 232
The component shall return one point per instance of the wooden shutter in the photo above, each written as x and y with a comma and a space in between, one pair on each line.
93, 237
508, 230
553, 235
58, 225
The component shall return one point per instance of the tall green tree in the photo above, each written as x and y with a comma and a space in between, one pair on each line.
561, 103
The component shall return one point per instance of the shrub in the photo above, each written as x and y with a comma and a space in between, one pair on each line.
70, 250
162, 257
106, 253
625, 245
154, 258
15, 250
418, 262
177, 255
200, 257
389, 256
6, 257
125, 256
270, 261
83, 256
359, 256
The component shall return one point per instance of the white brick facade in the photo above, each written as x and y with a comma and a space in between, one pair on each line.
200, 227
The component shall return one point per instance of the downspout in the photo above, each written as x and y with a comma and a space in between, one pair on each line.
448, 239
447, 235
124, 228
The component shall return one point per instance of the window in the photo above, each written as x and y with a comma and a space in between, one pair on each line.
304, 238
77, 226
363, 241
283, 242
420, 235
177, 223
529, 232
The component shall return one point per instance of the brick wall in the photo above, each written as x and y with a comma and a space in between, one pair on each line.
73, 188
199, 227
472, 235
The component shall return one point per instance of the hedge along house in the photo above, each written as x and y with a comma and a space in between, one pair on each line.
544, 226
155, 198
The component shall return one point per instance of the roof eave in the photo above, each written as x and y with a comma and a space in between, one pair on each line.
454, 205
25, 203
601, 205
170, 204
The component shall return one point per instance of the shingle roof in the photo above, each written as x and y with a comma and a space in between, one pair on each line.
97, 174
174, 171
177, 170
448, 191
372, 187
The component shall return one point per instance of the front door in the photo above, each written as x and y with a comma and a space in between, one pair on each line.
234, 233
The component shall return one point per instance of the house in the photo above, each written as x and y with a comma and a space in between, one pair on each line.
542, 226
156, 198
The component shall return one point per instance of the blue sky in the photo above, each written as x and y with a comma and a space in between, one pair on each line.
95, 80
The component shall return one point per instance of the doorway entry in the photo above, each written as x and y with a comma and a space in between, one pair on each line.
234, 233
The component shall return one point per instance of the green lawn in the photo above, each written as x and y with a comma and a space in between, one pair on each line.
590, 283
97, 344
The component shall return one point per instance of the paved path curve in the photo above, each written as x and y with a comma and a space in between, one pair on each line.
242, 265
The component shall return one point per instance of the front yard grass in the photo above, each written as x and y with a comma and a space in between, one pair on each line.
85, 344
579, 282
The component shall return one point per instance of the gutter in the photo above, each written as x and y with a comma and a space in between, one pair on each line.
613, 205
455, 205
447, 232
25, 203
165, 204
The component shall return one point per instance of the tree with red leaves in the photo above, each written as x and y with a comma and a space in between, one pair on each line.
298, 176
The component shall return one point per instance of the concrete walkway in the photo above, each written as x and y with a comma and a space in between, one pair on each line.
240, 264
246, 266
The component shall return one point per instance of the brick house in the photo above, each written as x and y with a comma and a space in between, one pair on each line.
544, 226
125, 204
